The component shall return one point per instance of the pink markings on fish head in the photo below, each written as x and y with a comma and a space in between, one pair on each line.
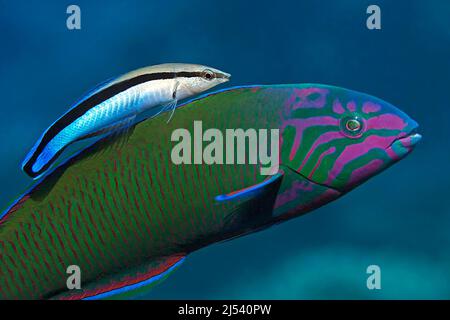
337, 107
322, 139
301, 125
307, 98
329, 151
370, 107
387, 121
354, 151
351, 106
407, 142
392, 154
362, 173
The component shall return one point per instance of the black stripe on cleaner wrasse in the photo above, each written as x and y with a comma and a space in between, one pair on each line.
103, 95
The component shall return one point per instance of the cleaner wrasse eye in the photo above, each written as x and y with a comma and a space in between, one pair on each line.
113, 106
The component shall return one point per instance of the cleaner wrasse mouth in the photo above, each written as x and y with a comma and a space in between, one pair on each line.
225, 75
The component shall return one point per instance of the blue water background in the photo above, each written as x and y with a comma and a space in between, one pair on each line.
400, 220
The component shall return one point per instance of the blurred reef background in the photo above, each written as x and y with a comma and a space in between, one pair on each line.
400, 220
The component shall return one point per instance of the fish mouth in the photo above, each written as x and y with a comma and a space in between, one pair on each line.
405, 143
410, 140
227, 77
223, 76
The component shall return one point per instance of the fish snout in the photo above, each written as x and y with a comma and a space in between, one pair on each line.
404, 143
227, 75
223, 76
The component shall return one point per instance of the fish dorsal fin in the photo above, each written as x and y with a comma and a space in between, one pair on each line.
99, 87
126, 284
121, 78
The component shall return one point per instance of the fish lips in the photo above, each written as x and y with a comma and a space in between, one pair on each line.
404, 144
223, 77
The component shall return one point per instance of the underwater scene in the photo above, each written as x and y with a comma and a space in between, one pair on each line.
225, 149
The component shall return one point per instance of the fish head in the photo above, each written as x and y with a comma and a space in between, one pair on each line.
199, 78
339, 138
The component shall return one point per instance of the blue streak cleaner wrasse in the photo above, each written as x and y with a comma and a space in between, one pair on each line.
113, 106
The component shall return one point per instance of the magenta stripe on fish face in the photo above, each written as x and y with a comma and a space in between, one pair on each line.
337, 107
308, 98
386, 121
354, 151
301, 125
351, 106
321, 140
361, 173
370, 107
319, 161
324, 136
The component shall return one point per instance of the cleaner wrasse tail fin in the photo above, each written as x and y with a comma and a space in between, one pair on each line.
37, 169
79, 107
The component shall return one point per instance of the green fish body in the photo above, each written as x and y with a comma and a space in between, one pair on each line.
128, 216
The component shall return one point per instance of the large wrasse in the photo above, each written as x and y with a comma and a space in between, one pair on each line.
128, 218
113, 106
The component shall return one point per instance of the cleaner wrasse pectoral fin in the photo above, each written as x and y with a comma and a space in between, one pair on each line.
118, 99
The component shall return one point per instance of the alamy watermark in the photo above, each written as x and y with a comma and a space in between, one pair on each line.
374, 279
373, 22
73, 21
74, 280
241, 146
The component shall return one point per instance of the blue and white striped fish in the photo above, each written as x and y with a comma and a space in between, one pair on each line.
112, 107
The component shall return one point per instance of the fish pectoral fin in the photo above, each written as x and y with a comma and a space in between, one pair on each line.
170, 105
251, 191
127, 284
175, 99
252, 206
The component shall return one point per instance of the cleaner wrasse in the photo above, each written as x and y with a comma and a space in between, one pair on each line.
113, 106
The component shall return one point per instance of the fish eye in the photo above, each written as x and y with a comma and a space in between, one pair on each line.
208, 74
352, 126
